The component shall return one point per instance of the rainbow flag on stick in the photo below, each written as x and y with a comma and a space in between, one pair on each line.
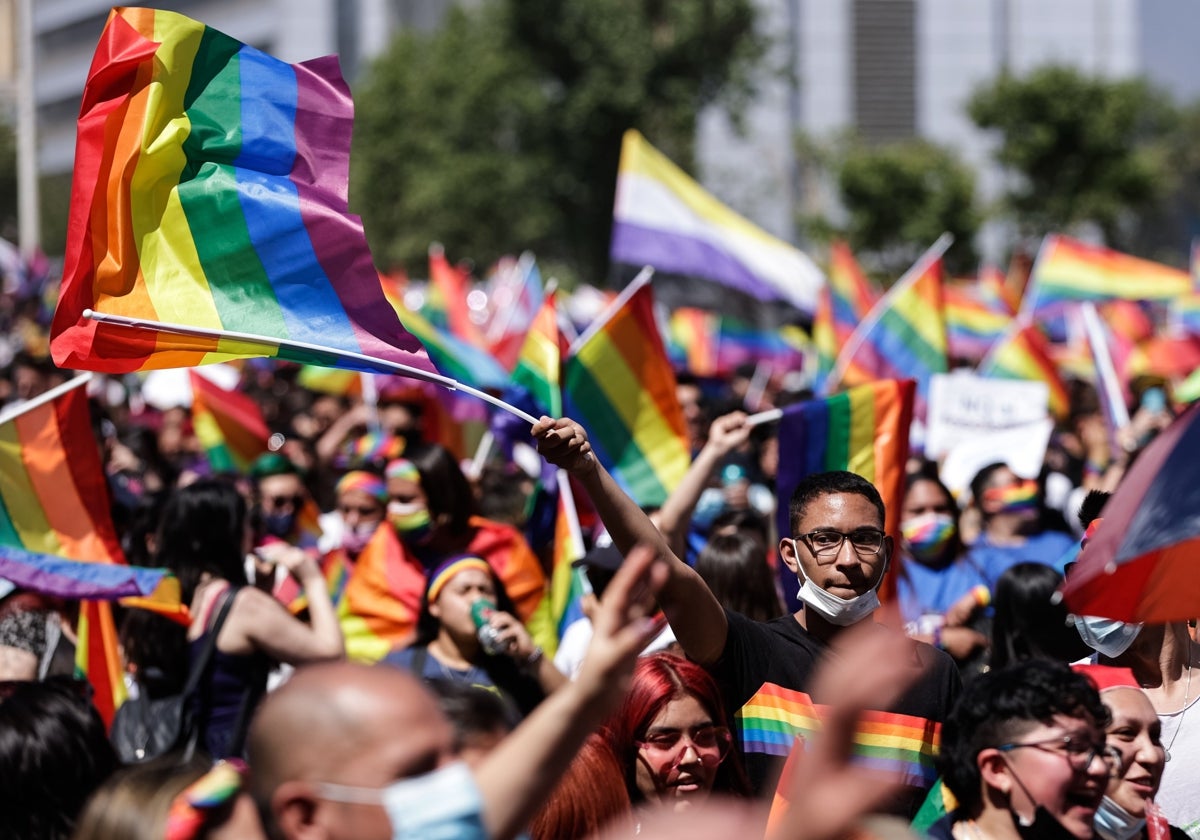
229, 426
447, 307
972, 324
54, 500
1067, 269
210, 192
618, 383
539, 365
1024, 353
568, 584
904, 336
844, 303
863, 430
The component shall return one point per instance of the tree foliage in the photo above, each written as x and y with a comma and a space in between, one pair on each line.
898, 199
1078, 149
502, 130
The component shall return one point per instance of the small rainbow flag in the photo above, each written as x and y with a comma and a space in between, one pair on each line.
693, 337
844, 303
740, 343
210, 190
1024, 353
863, 430
446, 307
618, 383
515, 295
229, 426
972, 324
54, 500
567, 582
539, 365
705, 255
1067, 269
904, 336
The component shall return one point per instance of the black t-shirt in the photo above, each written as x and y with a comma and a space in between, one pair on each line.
765, 672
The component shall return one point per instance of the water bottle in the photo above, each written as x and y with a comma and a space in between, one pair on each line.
489, 636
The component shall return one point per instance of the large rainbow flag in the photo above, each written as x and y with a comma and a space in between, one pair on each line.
1067, 269
229, 426
863, 430
210, 190
1024, 353
618, 383
54, 500
904, 336
703, 253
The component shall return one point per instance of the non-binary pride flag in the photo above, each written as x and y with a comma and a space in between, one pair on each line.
1067, 269
210, 190
619, 384
863, 430
703, 253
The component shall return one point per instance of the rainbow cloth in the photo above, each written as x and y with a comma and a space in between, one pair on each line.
228, 424
863, 430
844, 302
619, 384
210, 189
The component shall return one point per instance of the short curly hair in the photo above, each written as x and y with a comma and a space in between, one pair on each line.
1001, 705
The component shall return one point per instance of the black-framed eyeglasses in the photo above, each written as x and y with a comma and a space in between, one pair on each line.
826, 542
1079, 752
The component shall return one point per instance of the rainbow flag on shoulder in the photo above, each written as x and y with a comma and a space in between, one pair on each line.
210, 191
618, 383
863, 430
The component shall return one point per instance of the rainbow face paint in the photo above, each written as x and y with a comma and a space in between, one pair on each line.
1016, 498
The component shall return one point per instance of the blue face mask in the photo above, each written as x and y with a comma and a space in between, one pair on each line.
443, 805
278, 524
1106, 636
1115, 823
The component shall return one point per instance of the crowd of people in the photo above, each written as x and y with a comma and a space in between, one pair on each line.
432, 694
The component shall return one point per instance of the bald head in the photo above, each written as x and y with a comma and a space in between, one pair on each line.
346, 723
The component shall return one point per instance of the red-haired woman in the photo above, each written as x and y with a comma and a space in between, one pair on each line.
591, 797
671, 736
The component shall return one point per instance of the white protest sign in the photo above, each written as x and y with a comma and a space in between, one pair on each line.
964, 407
1022, 447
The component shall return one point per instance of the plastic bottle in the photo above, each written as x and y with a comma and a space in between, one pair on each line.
489, 636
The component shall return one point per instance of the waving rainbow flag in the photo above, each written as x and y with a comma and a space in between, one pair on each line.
539, 366
1067, 269
844, 302
863, 430
210, 190
229, 426
904, 336
1024, 353
619, 384
973, 323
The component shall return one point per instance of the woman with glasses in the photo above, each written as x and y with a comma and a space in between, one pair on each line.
1025, 754
671, 736
1128, 811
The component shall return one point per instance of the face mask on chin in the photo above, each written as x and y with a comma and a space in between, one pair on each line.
841, 612
1115, 823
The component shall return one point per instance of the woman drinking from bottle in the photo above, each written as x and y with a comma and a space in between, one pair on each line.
466, 632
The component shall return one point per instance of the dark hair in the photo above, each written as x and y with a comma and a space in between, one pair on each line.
735, 568
53, 754
744, 520
657, 680
473, 710
446, 488
157, 646
1029, 622
1091, 506
203, 530
980, 482
1002, 704
814, 486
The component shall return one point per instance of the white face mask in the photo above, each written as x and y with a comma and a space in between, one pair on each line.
839, 611
1106, 636
1115, 823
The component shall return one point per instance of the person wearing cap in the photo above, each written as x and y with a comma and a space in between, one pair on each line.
599, 565
1127, 811
839, 551
462, 599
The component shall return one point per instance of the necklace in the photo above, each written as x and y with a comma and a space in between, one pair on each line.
1187, 691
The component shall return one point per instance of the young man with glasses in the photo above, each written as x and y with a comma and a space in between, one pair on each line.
839, 552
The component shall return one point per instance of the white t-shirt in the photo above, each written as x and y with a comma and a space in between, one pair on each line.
1179, 792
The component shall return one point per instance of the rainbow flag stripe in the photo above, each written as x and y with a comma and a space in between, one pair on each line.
740, 343
1067, 269
229, 426
704, 254
54, 500
693, 337
446, 306
904, 337
1024, 353
1185, 313
844, 302
539, 366
905, 745
210, 189
973, 324
863, 430
620, 386
75, 579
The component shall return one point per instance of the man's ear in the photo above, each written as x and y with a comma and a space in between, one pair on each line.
787, 550
294, 809
994, 771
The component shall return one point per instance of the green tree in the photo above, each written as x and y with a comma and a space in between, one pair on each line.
502, 130
898, 199
1077, 149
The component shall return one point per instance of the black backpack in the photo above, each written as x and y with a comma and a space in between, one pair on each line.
146, 728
